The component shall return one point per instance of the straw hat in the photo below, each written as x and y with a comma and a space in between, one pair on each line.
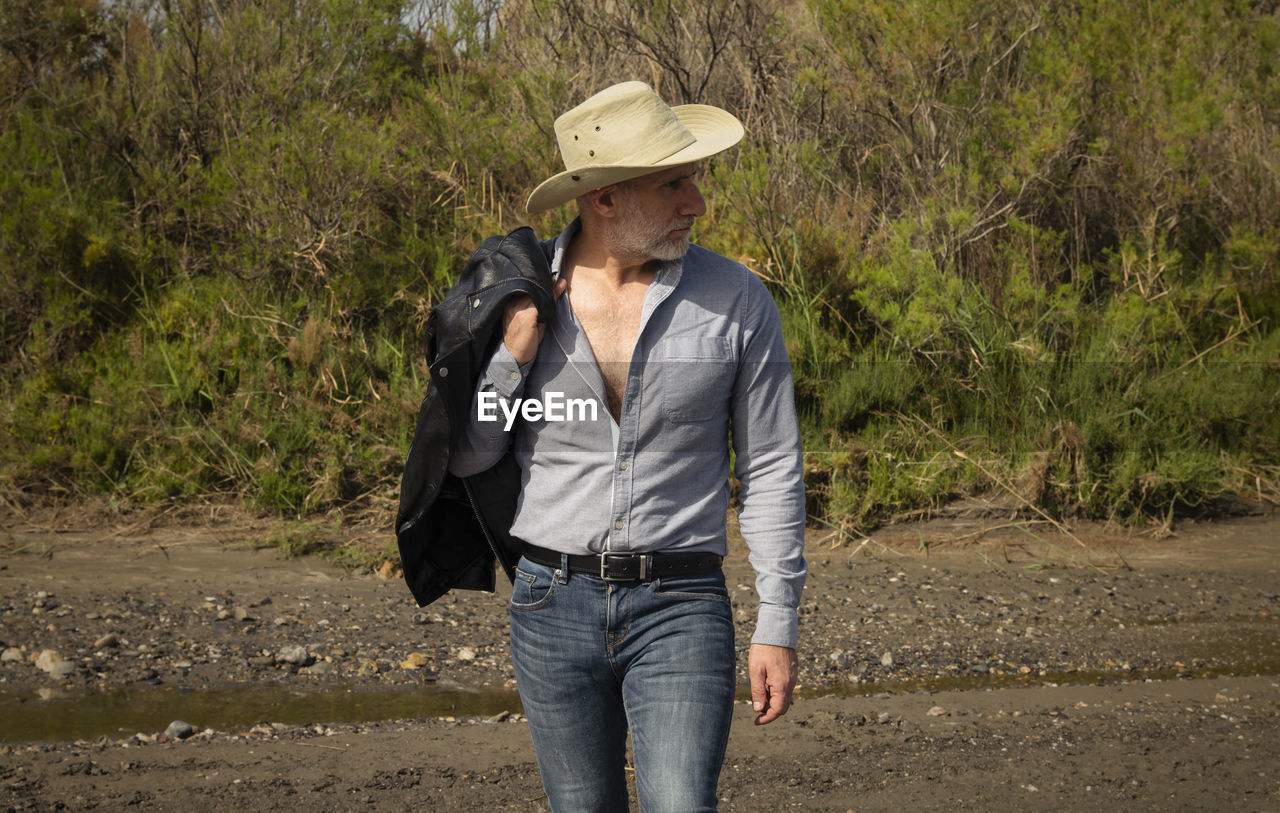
626, 131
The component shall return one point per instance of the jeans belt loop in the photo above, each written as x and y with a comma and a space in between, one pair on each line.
562, 575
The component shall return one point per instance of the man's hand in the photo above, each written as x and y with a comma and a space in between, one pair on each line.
521, 331
773, 678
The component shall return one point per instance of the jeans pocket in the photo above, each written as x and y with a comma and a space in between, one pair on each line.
708, 587
532, 590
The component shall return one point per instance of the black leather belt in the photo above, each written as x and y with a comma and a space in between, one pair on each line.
629, 567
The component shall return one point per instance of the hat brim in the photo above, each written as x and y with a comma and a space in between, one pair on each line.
714, 131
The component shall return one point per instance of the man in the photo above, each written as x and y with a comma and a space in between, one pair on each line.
620, 618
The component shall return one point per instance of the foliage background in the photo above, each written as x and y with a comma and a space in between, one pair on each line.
1019, 247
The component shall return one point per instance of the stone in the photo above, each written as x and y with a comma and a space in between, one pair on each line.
107, 641
886, 659
387, 571
11, 655
938, 711
47, 659
293, 655
416, 660
466, 654
179, 730
63, 669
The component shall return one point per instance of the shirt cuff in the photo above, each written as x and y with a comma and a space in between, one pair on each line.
777, 626
506, 376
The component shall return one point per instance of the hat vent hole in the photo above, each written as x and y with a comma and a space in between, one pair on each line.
592, 153
597, 128
575, 177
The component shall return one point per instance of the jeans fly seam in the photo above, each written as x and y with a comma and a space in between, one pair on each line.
612, 639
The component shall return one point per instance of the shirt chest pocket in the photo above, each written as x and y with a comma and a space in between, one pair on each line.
697, 376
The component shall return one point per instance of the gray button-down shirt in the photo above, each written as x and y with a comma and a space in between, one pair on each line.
709, 356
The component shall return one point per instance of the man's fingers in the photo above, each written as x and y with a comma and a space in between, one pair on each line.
759, 690
773, 678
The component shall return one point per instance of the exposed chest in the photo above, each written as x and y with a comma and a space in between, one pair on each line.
611, 321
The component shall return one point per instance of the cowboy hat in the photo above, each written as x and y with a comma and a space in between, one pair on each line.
626, 131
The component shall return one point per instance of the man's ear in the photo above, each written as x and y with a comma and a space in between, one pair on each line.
604, 201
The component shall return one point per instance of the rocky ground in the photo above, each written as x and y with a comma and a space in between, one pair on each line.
958, 663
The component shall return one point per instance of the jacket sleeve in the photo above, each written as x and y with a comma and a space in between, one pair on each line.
488, 431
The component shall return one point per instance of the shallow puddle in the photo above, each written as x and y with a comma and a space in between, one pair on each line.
24, 717
1247, 653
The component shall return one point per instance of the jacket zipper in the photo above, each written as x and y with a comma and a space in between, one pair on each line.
507, 567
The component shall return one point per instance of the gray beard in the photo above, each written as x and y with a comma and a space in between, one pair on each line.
642, 238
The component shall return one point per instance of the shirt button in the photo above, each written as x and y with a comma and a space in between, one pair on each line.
623, 465
618, 525
515, 376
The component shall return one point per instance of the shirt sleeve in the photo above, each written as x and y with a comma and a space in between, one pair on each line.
769, 464
488, 433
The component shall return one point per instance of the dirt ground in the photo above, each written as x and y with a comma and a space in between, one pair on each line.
964, 663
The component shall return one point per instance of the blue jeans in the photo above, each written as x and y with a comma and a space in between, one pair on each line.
593, 658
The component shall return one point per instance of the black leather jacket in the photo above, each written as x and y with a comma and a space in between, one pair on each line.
450, 530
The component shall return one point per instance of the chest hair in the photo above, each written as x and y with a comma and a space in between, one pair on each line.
611, 321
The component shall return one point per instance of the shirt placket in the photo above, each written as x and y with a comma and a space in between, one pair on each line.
624, 469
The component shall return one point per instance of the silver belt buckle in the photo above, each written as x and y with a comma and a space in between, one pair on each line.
604, 566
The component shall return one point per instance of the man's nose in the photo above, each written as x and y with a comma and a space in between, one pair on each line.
692, 203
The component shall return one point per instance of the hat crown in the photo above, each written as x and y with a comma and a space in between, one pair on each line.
623, 125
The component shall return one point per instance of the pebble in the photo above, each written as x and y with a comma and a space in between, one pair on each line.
295, 655
62, 669
47, 659
886, 659
421, 618
319, 668
416, 660
466, 654
242, 614
11, 655
179, 730
884, 717
107, 641
938, 711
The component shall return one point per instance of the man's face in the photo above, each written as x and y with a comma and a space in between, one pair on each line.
656, 214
